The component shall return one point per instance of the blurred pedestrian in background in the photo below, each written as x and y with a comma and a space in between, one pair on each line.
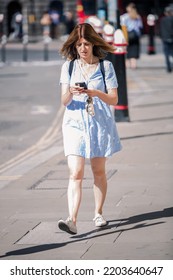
133, 22
1, 25
166, 30
89, 129
45, 22
55, 19
16, 24
69, 22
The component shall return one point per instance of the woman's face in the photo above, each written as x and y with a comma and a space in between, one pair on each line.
129, 10
84, 49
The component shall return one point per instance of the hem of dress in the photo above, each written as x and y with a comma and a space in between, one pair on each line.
95, 156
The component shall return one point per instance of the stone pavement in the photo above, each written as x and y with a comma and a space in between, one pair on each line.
139, 205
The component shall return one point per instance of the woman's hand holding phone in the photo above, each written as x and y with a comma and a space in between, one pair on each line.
78, 88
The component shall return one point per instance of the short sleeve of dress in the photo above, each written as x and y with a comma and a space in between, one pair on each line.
65, 77
110, 76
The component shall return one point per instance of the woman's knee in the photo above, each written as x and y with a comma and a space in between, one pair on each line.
76, 167
99, 174
76, 174
98, 171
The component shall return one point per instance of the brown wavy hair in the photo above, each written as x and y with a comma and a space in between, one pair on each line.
86, 31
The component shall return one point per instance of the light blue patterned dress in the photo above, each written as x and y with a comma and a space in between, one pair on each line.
85, 135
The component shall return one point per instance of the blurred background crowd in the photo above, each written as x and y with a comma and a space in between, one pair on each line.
56, 18
33, 20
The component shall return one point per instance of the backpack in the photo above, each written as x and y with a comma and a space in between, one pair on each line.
101, 68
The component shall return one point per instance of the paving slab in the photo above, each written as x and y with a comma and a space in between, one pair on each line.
130, 251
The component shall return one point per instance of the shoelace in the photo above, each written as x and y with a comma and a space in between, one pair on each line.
98, 218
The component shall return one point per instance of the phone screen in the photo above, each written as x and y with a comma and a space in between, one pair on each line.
81, 84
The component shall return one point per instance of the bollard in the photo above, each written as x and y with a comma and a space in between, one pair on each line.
98, 27
96, 24
47, 41
151, 33
108, 36
3, 48
121, 109
108, 33
25, 49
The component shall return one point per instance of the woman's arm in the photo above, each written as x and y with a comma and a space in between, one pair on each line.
66, 95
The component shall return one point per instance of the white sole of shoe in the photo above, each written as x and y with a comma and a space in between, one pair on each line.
103, 225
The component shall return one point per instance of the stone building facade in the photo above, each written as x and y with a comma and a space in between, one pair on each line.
32, 11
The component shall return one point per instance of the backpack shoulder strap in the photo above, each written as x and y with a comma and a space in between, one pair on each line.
103, 73
71, 67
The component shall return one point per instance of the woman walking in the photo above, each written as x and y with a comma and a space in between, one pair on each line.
89, 87
133, 23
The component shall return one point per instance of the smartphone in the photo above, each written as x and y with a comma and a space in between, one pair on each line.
81, 84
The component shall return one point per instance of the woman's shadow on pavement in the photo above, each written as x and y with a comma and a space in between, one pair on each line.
140, 220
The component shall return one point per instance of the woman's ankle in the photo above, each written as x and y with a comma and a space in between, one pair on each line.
73, 219
98, 212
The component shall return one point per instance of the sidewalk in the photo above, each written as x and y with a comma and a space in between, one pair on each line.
57, 43
139, 205
36, 51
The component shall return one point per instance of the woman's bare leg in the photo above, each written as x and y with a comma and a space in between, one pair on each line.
127, 63
74, 194
133, 63
100, 182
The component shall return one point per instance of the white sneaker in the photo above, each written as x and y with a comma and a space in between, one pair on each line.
99, 221
67, 226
